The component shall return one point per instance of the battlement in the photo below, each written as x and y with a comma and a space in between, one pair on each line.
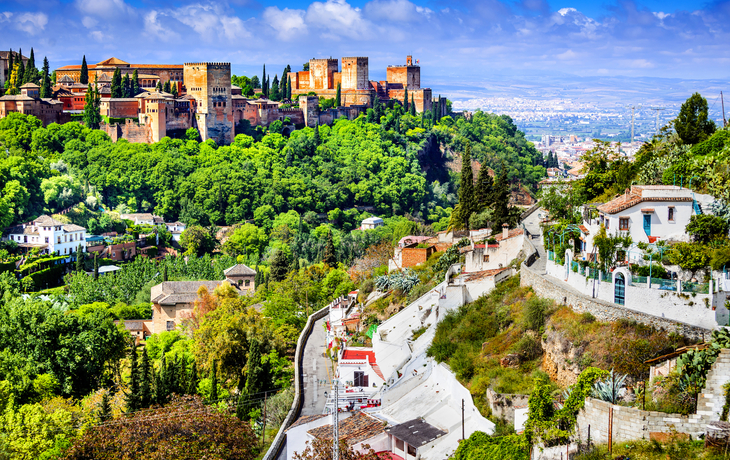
215, 64
355, 58
325, 60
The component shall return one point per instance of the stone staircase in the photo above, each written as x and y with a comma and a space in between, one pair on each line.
712, 398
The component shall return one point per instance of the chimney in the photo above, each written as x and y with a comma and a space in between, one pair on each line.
505, 231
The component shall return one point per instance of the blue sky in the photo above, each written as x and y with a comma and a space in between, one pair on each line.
460, 41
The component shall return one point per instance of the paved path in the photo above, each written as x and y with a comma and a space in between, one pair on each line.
532, 224
315, 369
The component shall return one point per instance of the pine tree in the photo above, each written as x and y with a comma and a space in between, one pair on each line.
501, 200
484, 188
105, 408
117, 83
132, 399
329, 257
192, 388
275, 95
135, 84
84, 76
145, 388
96, 267
279, 265
467, 200
46, 90
79, 259
213, 382
412, 107
405, 99
338, 96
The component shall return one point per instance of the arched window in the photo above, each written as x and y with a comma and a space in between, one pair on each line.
619, 289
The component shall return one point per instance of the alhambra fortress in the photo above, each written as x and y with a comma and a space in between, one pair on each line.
207, 100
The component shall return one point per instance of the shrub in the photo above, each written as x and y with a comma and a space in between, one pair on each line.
535, 312
528, 347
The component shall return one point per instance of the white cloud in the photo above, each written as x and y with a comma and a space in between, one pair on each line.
110, 9
98, 36
392, 10
89, 22
154, 28
31, 23
289, 24
339, 18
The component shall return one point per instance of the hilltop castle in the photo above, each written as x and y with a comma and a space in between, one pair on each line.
207, 100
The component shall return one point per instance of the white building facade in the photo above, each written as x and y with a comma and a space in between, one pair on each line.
50, 236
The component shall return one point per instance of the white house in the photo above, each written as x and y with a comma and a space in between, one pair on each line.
49, 235
143, 218
176, 228
371, 223
647, 213
485, 256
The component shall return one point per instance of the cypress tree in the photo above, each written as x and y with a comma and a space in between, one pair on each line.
84, 76
288, 87
263, 82
31, 73
105, 408
266, 282
92, 106
166, 87
256, 374
338, 96
11, 65
501, 199
135, 84
46, 90
79, 259
279, 265
434, 111
412, 106
275, 94
21, 69
126, 86
132, 399
117, 83
145, 390
96, 268
158, 88
405, 100
164, 272
193, 380
467, 200
213, 382
484, 188
377, 108
268, 87
329, 257
257, 278
161, 389
173, 89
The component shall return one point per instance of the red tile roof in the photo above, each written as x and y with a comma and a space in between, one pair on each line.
633, 197
512, 233
359, 354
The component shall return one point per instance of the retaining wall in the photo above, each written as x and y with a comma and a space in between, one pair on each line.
603, 311
296, 406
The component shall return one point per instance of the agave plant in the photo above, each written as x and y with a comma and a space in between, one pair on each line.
608, 389
382, 283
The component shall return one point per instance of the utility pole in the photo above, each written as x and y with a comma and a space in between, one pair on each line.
335, 422
722, 99
657, 109
462, 419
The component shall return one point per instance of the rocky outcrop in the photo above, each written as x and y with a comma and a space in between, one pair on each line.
561, 358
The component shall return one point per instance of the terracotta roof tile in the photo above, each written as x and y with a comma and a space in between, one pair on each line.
306, 419
357, 428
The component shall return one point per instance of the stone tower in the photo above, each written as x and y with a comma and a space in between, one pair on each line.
210, 84
355, 73
156, 108
321, 73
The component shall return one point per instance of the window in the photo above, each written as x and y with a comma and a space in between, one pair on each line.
623, 223
671, 214
411, 450
486, 257
399, 444
248, 283
46, 240
171, 325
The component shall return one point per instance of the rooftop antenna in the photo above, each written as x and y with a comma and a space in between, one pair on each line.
657, 109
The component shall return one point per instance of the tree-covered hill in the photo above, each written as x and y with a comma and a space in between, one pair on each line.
352, 163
